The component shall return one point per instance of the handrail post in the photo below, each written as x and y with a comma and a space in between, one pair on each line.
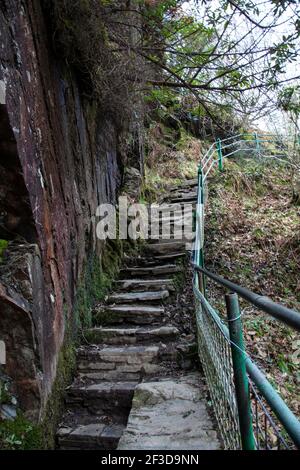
220, 154
199, 254
257, 143
239, 371
201, 231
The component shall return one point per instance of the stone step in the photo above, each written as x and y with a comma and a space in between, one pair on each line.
169, 229
131, 335
183, 199
172, 218
164, 208
101, 399
145, 284
169, 256
168, 241
92, 436
132, 314
186, 184
170, 414
150, 260
167, 246
151, 270
183, 190
183, 193
119, 363
143, 296
181, 234
153, 260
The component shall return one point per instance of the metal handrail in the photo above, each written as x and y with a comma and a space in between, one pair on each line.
280, 312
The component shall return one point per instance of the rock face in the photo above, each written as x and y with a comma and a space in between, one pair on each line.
170, 414
59, 159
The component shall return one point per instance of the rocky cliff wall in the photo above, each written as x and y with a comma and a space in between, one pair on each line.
59, 158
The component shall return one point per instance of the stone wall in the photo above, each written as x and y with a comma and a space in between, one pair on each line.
59, 158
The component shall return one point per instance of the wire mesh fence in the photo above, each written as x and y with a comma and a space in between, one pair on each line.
214, 348
269, 434
215, 357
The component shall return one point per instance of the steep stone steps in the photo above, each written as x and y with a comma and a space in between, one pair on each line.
131, 335
129, 314
133, 342
140, 296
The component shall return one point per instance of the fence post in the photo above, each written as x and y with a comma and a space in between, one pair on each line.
201, 229
239, 371
257, 143
199, 258
220, 154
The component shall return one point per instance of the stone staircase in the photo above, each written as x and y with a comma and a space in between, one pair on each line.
133, 341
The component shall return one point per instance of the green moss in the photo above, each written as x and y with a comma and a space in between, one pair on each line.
3, 246
55, 405
98, 280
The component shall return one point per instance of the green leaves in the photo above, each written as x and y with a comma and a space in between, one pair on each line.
289, 100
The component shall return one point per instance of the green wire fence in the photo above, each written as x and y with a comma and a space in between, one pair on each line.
250, 413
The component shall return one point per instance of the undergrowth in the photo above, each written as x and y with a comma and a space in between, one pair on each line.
253, 238
172, 157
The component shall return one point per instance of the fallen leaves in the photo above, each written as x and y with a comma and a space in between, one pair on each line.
253, 238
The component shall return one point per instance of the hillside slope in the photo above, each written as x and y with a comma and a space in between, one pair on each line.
252, 238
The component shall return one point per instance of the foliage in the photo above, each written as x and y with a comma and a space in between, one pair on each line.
172, 156
253, 239
199, 52
84, 34
19, 434
289, 101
